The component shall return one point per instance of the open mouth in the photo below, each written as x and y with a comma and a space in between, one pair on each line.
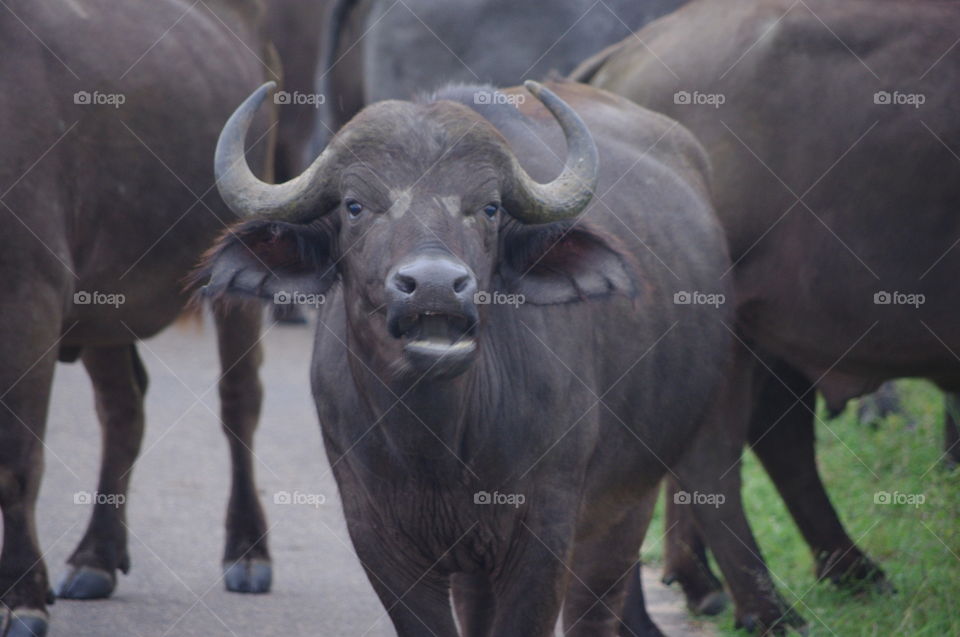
436, 331
436, 342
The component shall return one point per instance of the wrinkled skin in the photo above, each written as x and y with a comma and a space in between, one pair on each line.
413, 441
879, 213
421, 45
93, 202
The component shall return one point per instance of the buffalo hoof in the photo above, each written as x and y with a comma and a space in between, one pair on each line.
880, 586
858, 575
24, 623
748, 622
86, 582
248, 576
753, 623
884, 587
712, 604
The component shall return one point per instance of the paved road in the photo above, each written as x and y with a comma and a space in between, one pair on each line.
178, 498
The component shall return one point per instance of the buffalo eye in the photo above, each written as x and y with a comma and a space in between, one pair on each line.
353, 207
491, 209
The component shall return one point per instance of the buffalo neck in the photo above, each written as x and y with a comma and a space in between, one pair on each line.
443, 425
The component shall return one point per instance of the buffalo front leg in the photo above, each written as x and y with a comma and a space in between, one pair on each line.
782, 435
26, 372
685, 555
474, 602
709, 475
415, 597
605, 596
246, 560
529, 588
119, 383
636, 622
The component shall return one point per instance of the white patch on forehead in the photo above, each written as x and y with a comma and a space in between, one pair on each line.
452, 204
401, 202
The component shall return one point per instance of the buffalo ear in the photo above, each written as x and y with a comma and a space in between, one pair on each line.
263, 258
563, 263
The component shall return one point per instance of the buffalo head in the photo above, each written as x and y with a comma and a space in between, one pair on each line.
416, 208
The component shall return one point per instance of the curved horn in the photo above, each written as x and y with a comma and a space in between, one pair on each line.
567, 195
301, 199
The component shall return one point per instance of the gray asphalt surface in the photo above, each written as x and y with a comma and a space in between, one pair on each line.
178, 498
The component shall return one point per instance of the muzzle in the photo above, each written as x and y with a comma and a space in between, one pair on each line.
430, 306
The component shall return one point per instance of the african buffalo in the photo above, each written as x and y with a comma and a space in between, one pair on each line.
832, 130
503, 368
380, 49
107, 202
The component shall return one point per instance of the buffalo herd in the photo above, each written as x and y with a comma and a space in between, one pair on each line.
567, 251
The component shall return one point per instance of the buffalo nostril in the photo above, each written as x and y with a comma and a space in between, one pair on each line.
404, 283
461, 283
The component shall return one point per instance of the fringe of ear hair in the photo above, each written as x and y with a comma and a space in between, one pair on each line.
314, 244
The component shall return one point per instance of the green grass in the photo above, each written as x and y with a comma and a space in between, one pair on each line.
918, 547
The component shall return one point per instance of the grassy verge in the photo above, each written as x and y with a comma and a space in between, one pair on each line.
918, 546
